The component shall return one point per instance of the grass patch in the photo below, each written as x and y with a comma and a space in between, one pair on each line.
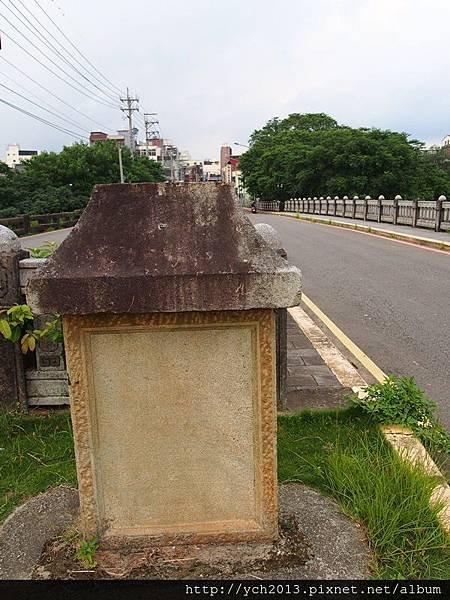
36, 452
343, 454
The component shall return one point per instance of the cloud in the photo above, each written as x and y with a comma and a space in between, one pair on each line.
214, 71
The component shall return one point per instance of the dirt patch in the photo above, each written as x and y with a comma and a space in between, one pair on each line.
220, 561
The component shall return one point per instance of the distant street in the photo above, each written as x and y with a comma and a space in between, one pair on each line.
34, 241
391, 299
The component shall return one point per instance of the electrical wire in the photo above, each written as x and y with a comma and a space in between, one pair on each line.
38, 105
41, 38
44, 102
92, 96
110, 87
49, 123
54, 38
75, 47
55, 96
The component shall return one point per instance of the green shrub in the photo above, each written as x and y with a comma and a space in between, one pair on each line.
399, 401
86, 552
43, 251
17, 325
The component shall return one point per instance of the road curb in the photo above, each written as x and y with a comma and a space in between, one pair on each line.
406, 445
412, 451
386, 233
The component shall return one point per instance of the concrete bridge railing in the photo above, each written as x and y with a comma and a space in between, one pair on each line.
24, 225
434, 214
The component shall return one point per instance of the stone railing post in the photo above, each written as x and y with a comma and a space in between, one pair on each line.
366, 207
415, 212
438, 221
12, 377
335, 199
380, 208
355, 199
155, 353
395, 209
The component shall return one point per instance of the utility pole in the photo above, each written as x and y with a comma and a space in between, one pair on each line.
119, 148
131, 106
151, 124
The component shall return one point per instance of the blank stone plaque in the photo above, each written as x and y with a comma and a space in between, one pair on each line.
174, 440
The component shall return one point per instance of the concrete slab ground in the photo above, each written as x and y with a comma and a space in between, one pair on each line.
26, 531
310, 382
317, 541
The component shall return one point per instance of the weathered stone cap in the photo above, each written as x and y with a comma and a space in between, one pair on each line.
141, 248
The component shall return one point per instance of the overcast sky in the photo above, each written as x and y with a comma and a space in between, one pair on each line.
215, 71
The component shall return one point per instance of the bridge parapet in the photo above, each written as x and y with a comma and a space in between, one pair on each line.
431, 214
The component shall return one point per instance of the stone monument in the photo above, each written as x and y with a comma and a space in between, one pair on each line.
168, 297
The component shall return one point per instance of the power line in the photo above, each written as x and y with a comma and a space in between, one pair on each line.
55, 96
92, 97
38, 105
110, 87
75, 47
44, 102
41, 38
42, 120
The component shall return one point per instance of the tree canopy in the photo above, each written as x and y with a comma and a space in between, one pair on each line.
57, 182
312, 155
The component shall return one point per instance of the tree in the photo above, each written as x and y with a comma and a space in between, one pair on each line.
56, 182
312, 155
4, 169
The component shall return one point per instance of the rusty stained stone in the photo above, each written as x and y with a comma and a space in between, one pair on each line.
141, 248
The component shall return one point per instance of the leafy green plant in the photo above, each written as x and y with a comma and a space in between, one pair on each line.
399, 401
43, 251
17, 325
86, 552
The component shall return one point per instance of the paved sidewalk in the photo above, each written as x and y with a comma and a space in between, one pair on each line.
420, 232
310, 382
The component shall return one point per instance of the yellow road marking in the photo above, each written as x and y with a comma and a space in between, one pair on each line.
346, 341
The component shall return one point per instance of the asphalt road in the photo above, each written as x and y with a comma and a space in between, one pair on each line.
33, 241
392, 299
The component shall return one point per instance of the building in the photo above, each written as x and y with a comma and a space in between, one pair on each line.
129, 142
190, 170
122, 137
232, 174
15, 157
446, 145
152, 151
225, 155
211, 170
97, 136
